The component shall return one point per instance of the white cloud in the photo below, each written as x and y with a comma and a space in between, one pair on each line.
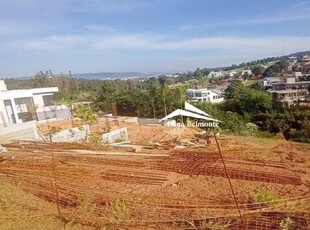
245, 22
52, 43
265, 45
138, 52
99, 28
208, 46
108, 6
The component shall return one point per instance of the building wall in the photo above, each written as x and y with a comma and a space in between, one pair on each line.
21, 101
3, 115
289, 96
149, 121
38, 100
118, 135
215, 98
296, 85
25, 131
2, 85
50, 112
204, 95
70, 135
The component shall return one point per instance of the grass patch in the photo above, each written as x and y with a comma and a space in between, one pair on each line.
212, 225
87, 202
249, 83
20, 210
263, 195
119, 210
7, 204
287, 224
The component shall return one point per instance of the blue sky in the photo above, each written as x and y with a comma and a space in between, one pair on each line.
146, 35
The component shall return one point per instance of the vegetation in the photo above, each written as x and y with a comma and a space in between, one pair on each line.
287, 224
211, 225
86, 115
52, 130
278, 67
247, 110
263, 195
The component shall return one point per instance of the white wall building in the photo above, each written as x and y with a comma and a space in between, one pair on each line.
22, 105
215, 74
204, 95
246, 71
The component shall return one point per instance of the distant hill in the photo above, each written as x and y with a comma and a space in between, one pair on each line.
299, 54
105, 75
124, 75
263, 61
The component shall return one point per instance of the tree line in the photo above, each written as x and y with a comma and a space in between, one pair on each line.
247, 110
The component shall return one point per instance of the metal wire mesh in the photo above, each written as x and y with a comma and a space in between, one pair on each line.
186, 190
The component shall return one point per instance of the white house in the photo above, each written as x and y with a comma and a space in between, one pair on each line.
269, 81
246, 71
292, 60
215, 74
204, 95
22, 105
232, 73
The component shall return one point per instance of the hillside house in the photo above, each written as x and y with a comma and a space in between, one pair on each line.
204, 95
22, 105
303, 65
290, 92
214, 74
269, 81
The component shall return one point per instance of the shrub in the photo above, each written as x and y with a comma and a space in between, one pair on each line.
286, 224
263, 195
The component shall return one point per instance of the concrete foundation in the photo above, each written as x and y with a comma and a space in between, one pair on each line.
70, 135
23, 131
119, 135
149, 121
53, 112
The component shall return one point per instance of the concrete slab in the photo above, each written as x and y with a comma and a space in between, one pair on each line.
87, 152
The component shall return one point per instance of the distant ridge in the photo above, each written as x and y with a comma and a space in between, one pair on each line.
106, 75
299, 54
124, 75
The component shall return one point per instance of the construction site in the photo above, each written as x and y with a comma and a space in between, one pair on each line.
153, 177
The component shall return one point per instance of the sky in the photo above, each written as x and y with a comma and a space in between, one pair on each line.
146, 35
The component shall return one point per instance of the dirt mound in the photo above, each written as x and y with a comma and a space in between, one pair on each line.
145, 135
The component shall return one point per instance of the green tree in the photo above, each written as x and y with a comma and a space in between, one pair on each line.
233, 90
258, 85
278, 67
86, 115
247, 100
257, 70
153, 95
107, 95
41, 80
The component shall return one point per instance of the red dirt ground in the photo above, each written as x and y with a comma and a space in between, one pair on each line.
185, 189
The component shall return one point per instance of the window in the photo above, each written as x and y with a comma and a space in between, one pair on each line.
23, 104
48, 100
198, 94
190, 94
